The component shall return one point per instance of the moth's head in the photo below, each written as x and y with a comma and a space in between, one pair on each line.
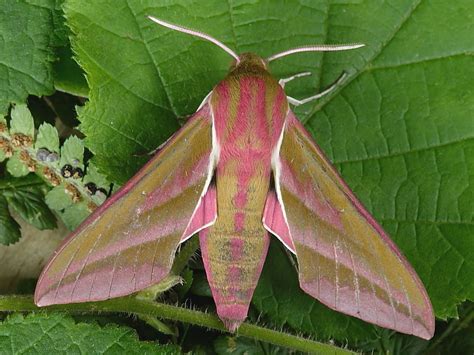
248, 61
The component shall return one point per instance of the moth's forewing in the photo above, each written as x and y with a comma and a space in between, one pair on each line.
129, 242
345, 258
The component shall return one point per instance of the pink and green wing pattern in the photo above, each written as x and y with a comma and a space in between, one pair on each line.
345, 258
129, 242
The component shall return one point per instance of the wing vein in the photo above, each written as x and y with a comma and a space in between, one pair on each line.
65, 271
409, 304
84, 264
355, 278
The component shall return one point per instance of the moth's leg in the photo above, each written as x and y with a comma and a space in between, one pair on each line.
282, 82
292, 259
331, 88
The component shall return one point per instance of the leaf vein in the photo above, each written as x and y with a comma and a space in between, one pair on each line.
403, 153
375, 55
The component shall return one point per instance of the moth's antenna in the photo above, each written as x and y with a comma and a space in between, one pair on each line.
196, 34
317, 48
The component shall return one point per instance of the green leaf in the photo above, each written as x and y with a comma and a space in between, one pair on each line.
22, 121
9, 228
243, 346
56, 333
26, 56
94, 176
75, 214
47, 138
200, 286
26, 196
58, 199
29, 204
68, 76
16, 166
399, 128
72, 152
122, 102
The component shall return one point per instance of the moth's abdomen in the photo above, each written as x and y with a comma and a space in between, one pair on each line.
235, 247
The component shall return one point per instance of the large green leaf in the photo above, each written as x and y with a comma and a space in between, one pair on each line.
35, 55
399, 128
26, 52
57, 334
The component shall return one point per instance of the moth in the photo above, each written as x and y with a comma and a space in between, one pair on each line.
241, 169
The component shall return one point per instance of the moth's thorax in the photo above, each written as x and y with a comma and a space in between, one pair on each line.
249, 108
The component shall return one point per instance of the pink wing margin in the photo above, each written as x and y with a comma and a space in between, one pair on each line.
345, 259
130, 241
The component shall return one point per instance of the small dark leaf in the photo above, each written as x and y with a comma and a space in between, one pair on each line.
30, 205
200, 286
9, 228
243, 346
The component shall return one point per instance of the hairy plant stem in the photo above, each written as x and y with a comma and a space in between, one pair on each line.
165, 311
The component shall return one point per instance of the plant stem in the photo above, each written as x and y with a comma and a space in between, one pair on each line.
187, 251
166, 311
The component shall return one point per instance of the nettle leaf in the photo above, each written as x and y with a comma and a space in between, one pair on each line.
9, 228
56, 333
68, 76
26, 53
399, 128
